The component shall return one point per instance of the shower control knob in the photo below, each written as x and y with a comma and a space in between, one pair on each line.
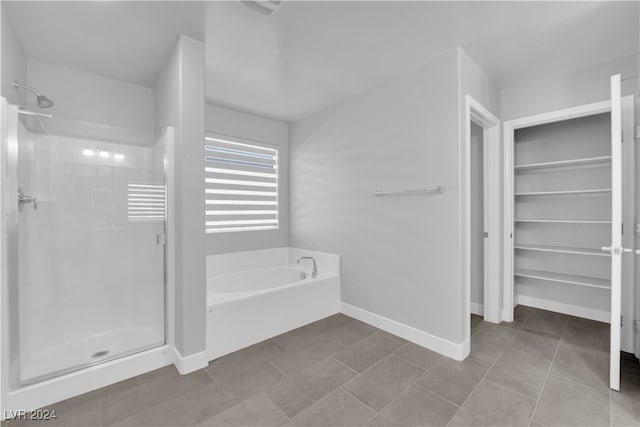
22, 199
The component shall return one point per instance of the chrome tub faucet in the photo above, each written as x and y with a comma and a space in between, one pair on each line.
314, 272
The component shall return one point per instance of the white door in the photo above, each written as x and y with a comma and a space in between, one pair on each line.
616, 249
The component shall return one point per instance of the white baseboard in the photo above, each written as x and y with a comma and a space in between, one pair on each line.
186, 365
559, 307
477, 309
424, 339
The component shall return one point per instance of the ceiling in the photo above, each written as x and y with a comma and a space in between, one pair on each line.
310, 54
125, 40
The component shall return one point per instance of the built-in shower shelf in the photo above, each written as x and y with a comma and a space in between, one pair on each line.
586, 161
560, 249
595, 191
571, 279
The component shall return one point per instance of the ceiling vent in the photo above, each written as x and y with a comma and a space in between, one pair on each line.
265, 8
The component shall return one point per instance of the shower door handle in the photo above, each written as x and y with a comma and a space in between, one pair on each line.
22, 199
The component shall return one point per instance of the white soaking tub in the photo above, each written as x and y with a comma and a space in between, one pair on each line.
256, 295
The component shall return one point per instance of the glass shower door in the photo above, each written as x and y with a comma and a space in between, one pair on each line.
88, 221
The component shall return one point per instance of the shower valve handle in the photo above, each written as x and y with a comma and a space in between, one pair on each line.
22, 199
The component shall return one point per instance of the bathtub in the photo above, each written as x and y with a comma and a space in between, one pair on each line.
256, 295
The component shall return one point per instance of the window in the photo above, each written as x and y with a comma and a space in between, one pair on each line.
241, 185
145, 202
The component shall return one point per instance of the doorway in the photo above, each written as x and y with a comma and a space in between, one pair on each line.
565, 224
478, 216
482, 216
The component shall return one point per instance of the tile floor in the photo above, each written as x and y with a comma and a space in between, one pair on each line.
544, 369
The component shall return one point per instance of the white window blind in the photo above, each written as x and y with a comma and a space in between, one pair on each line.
241, 185
145, 202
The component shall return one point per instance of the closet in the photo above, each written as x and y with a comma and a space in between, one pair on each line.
570, 206
562, 216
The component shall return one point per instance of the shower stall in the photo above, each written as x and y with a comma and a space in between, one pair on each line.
83, 241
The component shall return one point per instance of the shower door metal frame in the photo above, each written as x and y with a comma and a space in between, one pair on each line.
9, 212
13, 397
10, 223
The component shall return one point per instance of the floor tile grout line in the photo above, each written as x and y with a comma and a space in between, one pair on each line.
270, 363
483, 377
399, 394
415, 382
413, 364
327, 395
350, 394
376, 364
345, 365
509, 389
435, 394
583, 348
518, 350
546, 378
209, 373
162, 402
338, 387
572, 381
333, 355
301, 345
341, 385
352, 343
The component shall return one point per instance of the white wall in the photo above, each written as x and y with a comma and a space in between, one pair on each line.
180, 103
13, 65
570, 89
230, 122
400, 255
475, 82
89, 105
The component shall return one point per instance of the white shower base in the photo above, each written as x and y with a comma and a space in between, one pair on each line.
68, 356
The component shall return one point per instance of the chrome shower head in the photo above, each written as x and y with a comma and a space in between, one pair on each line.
44, 102
41, 100
263, 7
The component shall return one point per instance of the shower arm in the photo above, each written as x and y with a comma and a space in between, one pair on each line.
17, 84
41, 100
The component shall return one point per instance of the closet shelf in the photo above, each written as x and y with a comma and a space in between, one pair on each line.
571, 279
567, 221
587, 161
564, 192
560, 249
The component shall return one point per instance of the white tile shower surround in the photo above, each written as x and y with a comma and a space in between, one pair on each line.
341, 372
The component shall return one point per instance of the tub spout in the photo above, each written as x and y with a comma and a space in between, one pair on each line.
314, 272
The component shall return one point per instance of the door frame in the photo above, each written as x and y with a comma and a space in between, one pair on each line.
509, 129
492, 159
